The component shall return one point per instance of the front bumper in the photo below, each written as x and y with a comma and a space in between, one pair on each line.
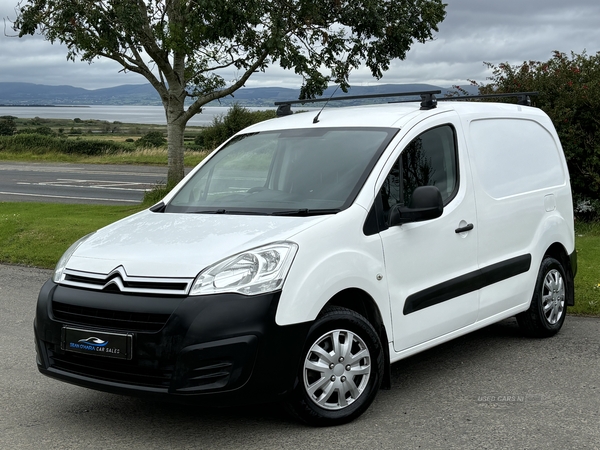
217, 349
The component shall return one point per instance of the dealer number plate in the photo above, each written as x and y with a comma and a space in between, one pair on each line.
97, 343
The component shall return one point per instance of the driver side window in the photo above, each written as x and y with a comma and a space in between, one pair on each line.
429, 160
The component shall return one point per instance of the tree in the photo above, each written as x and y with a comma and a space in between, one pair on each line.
226, 125
183, 47
569, 92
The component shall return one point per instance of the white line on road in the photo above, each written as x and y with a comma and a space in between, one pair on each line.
72, 198
161, 173
99, 186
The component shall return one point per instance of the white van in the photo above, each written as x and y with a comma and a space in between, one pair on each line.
307, 254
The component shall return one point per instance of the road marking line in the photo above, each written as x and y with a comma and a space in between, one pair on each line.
83, 171
71, 198
75, 180
100, 186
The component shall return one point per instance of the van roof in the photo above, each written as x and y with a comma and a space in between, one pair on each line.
389, 115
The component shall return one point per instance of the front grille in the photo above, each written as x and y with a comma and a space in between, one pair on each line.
118, 280
105, 318
137, 373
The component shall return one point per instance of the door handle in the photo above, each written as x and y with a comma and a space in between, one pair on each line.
468, 227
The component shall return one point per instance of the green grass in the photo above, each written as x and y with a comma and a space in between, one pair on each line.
587, 281
37, 234
144, 157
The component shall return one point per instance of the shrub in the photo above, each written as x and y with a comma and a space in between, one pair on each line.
151, 139
569, 92
156, 194
92, 147
225, 126
586, 209
40, 144
34, 143
7, 126
45, 131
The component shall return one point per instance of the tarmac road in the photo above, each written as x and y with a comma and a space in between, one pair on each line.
488, 390
77, 183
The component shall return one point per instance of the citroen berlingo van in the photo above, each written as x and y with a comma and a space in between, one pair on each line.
309, 252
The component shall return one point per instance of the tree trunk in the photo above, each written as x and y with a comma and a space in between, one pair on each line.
176, 123
175, 131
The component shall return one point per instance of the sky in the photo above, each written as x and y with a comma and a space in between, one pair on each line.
474, 31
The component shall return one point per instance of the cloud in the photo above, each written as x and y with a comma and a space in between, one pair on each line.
474, 31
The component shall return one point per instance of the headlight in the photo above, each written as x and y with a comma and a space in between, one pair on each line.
64, 259
253, 272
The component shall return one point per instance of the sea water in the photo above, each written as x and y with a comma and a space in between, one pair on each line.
113, 113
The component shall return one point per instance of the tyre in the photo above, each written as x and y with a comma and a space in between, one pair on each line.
548, 308
341, 369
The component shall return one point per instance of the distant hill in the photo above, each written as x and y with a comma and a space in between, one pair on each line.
23, 94
39, 94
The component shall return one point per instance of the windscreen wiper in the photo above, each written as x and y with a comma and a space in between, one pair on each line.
209, 211
305, 212
228, 211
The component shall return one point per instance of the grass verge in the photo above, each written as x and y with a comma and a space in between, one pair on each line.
587, 281
37, 234
151, 157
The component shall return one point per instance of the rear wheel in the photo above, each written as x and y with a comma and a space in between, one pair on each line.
548, 308
341, 369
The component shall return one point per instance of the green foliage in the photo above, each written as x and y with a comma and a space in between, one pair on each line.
586, 209
40, 144
7, 126
156, 194
43, 130
587, 281
569, 92
225, 126
151, 139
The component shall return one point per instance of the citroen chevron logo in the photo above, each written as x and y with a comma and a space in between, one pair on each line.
116, 277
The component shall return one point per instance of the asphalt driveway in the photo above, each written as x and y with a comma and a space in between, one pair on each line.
492, 389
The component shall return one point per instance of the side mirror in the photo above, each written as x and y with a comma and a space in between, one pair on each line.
426, 204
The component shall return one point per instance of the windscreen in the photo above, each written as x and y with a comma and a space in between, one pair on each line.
307, 171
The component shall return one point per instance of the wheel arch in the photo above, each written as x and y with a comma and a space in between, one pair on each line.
362, 303
558, 252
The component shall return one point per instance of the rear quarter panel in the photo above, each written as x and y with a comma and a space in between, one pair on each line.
523, 200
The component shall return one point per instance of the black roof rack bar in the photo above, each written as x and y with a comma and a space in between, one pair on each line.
357, 97
428, 99
523, 97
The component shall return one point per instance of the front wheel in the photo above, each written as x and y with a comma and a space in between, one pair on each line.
341, 369
548, 308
